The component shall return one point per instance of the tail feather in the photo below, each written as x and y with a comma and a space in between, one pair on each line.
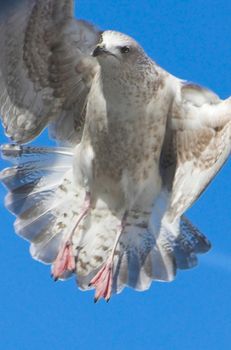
144, 258
141, 261
188, 244
191, 238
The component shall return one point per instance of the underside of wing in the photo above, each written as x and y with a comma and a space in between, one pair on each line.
197, 143
45, 69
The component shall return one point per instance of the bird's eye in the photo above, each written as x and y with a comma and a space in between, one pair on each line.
100, 38
124, 49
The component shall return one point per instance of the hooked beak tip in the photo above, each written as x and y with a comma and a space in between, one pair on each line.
97, 51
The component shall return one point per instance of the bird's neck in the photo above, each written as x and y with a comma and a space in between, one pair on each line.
126, 86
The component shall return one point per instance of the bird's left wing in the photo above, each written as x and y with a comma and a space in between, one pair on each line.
45, 68
197, 143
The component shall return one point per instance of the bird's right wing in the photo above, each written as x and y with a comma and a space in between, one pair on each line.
45, 69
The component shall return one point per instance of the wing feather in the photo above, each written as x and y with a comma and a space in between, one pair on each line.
197, 143
45, 69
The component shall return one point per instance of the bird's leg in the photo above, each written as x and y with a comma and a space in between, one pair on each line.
104, 278
65, 260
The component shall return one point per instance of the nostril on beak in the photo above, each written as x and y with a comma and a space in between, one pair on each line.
98, 51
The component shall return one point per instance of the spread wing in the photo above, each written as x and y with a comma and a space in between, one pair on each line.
45, 69
197, 143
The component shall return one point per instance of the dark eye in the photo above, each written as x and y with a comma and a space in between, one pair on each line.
124, 49
100, 38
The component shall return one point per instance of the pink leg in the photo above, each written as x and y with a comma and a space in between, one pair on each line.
104, 278
65, 260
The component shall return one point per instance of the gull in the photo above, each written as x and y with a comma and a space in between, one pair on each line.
136, 146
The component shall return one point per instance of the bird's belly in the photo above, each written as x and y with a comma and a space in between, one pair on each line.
123, 164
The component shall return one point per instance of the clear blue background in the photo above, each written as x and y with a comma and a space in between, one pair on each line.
191, 39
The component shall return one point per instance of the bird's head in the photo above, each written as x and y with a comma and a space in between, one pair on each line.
117, 50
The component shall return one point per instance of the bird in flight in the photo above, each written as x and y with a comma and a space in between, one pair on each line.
136, 146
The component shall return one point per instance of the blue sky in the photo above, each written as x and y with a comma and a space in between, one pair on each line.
192, 40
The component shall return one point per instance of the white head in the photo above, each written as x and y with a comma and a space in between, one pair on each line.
117, 50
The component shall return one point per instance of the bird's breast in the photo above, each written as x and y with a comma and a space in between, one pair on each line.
126, 140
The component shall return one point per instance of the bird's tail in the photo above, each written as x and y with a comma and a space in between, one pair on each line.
47, 202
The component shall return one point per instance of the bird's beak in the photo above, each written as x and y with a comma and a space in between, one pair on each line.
99, 50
